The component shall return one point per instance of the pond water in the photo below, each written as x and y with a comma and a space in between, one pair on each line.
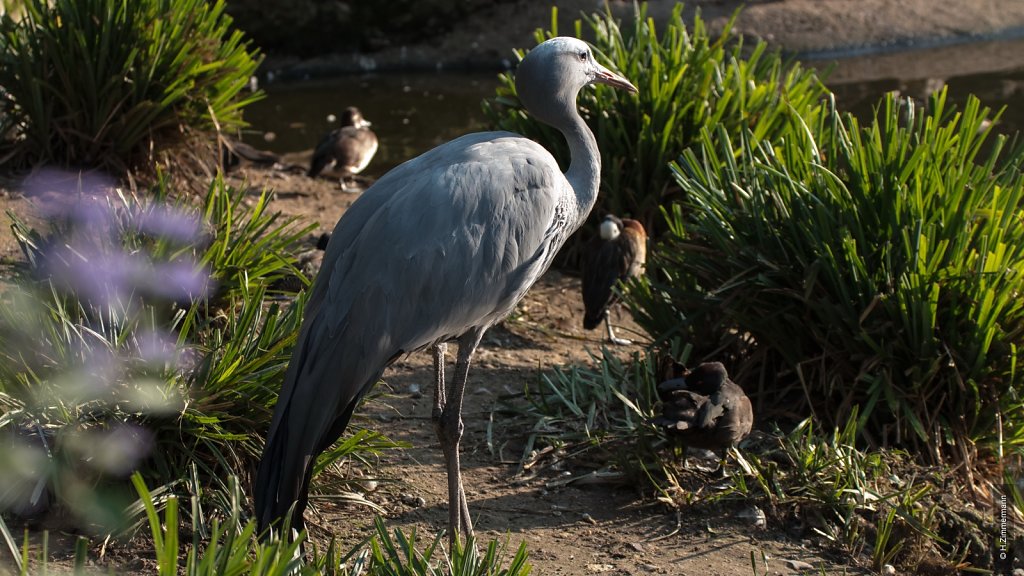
410, 113
414, 112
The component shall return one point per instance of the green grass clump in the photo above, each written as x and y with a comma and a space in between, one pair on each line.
597, 417
222, 542
877, 266
867, 504
251, 246
687, 81
96, 83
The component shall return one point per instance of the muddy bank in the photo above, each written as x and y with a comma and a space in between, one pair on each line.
874, 38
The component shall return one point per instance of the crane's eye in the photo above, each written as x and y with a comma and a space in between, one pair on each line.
583, 56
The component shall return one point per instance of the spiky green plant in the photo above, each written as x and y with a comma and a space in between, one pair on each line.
94, 82
397, 554
841, 490
599, 413
233, 547
687, 81
877, 266
250, 245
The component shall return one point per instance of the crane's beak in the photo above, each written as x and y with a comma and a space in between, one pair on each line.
606, 76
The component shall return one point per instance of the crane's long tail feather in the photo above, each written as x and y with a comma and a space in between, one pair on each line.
268, 490
320, 392
286, 469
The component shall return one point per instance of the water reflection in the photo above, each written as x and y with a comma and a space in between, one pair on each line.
992, 70
995, 90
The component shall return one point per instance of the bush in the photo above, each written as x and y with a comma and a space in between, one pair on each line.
141, 336
687, 81
116, 356
98, 83
876, 266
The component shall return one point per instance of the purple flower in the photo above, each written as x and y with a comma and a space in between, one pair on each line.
156, 347
68, 195
169, 223
115, 451
24, 469
101, 277
180, 280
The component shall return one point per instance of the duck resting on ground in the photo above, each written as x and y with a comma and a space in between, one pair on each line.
705, 409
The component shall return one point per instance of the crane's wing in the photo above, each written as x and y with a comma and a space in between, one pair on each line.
448, 241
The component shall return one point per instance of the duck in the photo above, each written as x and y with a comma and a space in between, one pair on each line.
349, 148
616, 254
705, 409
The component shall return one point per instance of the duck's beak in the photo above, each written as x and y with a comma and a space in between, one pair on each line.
606, 76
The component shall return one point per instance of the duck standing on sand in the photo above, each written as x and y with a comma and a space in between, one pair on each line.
350, 147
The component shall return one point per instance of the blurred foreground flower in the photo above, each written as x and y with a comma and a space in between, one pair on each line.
93, 346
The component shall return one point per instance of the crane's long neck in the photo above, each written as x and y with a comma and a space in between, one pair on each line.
584, 173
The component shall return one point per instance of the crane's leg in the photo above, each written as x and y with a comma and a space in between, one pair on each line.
611, 333
447, 417
439, 351
436, 416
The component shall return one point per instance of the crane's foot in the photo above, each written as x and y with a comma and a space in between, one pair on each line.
611, 334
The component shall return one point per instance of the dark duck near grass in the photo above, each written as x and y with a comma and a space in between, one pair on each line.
617, 254
705, 409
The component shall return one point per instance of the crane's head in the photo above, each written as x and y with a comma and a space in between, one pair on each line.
552, 74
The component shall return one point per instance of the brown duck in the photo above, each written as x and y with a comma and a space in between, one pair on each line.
350, 147
705, 409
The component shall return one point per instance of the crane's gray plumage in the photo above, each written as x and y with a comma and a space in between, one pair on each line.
438, 249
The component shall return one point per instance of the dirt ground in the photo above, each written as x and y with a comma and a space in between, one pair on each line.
589, 529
